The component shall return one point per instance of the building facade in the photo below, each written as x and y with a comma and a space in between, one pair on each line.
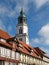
17, 51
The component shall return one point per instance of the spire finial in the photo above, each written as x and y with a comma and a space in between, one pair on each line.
21, 12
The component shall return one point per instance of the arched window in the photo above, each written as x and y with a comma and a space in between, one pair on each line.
20, 31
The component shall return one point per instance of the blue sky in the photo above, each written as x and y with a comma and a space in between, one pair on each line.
37, 13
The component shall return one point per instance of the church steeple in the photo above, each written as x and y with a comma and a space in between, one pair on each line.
22, 17
22, 28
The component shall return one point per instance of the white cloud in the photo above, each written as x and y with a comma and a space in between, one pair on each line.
44, 35
25, 3
2, 26
44, 31
7, 10
20, 4
39, 3
43, 39
36, 40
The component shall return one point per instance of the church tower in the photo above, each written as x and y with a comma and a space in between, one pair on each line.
22, 28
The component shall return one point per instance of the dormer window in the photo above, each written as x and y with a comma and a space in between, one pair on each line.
20, 45
2, 40
32, 51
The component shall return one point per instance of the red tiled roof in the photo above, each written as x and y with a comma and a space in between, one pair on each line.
41, 52
46, 56
5, 44
37, 48
4, 34
28, 47
25, 49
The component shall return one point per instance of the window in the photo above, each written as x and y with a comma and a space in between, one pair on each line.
17, 56
8, 53
6, 63
20, 20
24, 58
20, 45
32, 51
20, 39
2, 51
2, 40
1, 62
13, 54
11, 63
20, 31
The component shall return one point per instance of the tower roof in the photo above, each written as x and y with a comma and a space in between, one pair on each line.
22, 17
22, 14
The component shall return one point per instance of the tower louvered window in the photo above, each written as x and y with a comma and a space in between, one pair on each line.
20, 31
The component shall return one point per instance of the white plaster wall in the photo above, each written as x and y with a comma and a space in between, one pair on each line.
27, 40
25, 29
